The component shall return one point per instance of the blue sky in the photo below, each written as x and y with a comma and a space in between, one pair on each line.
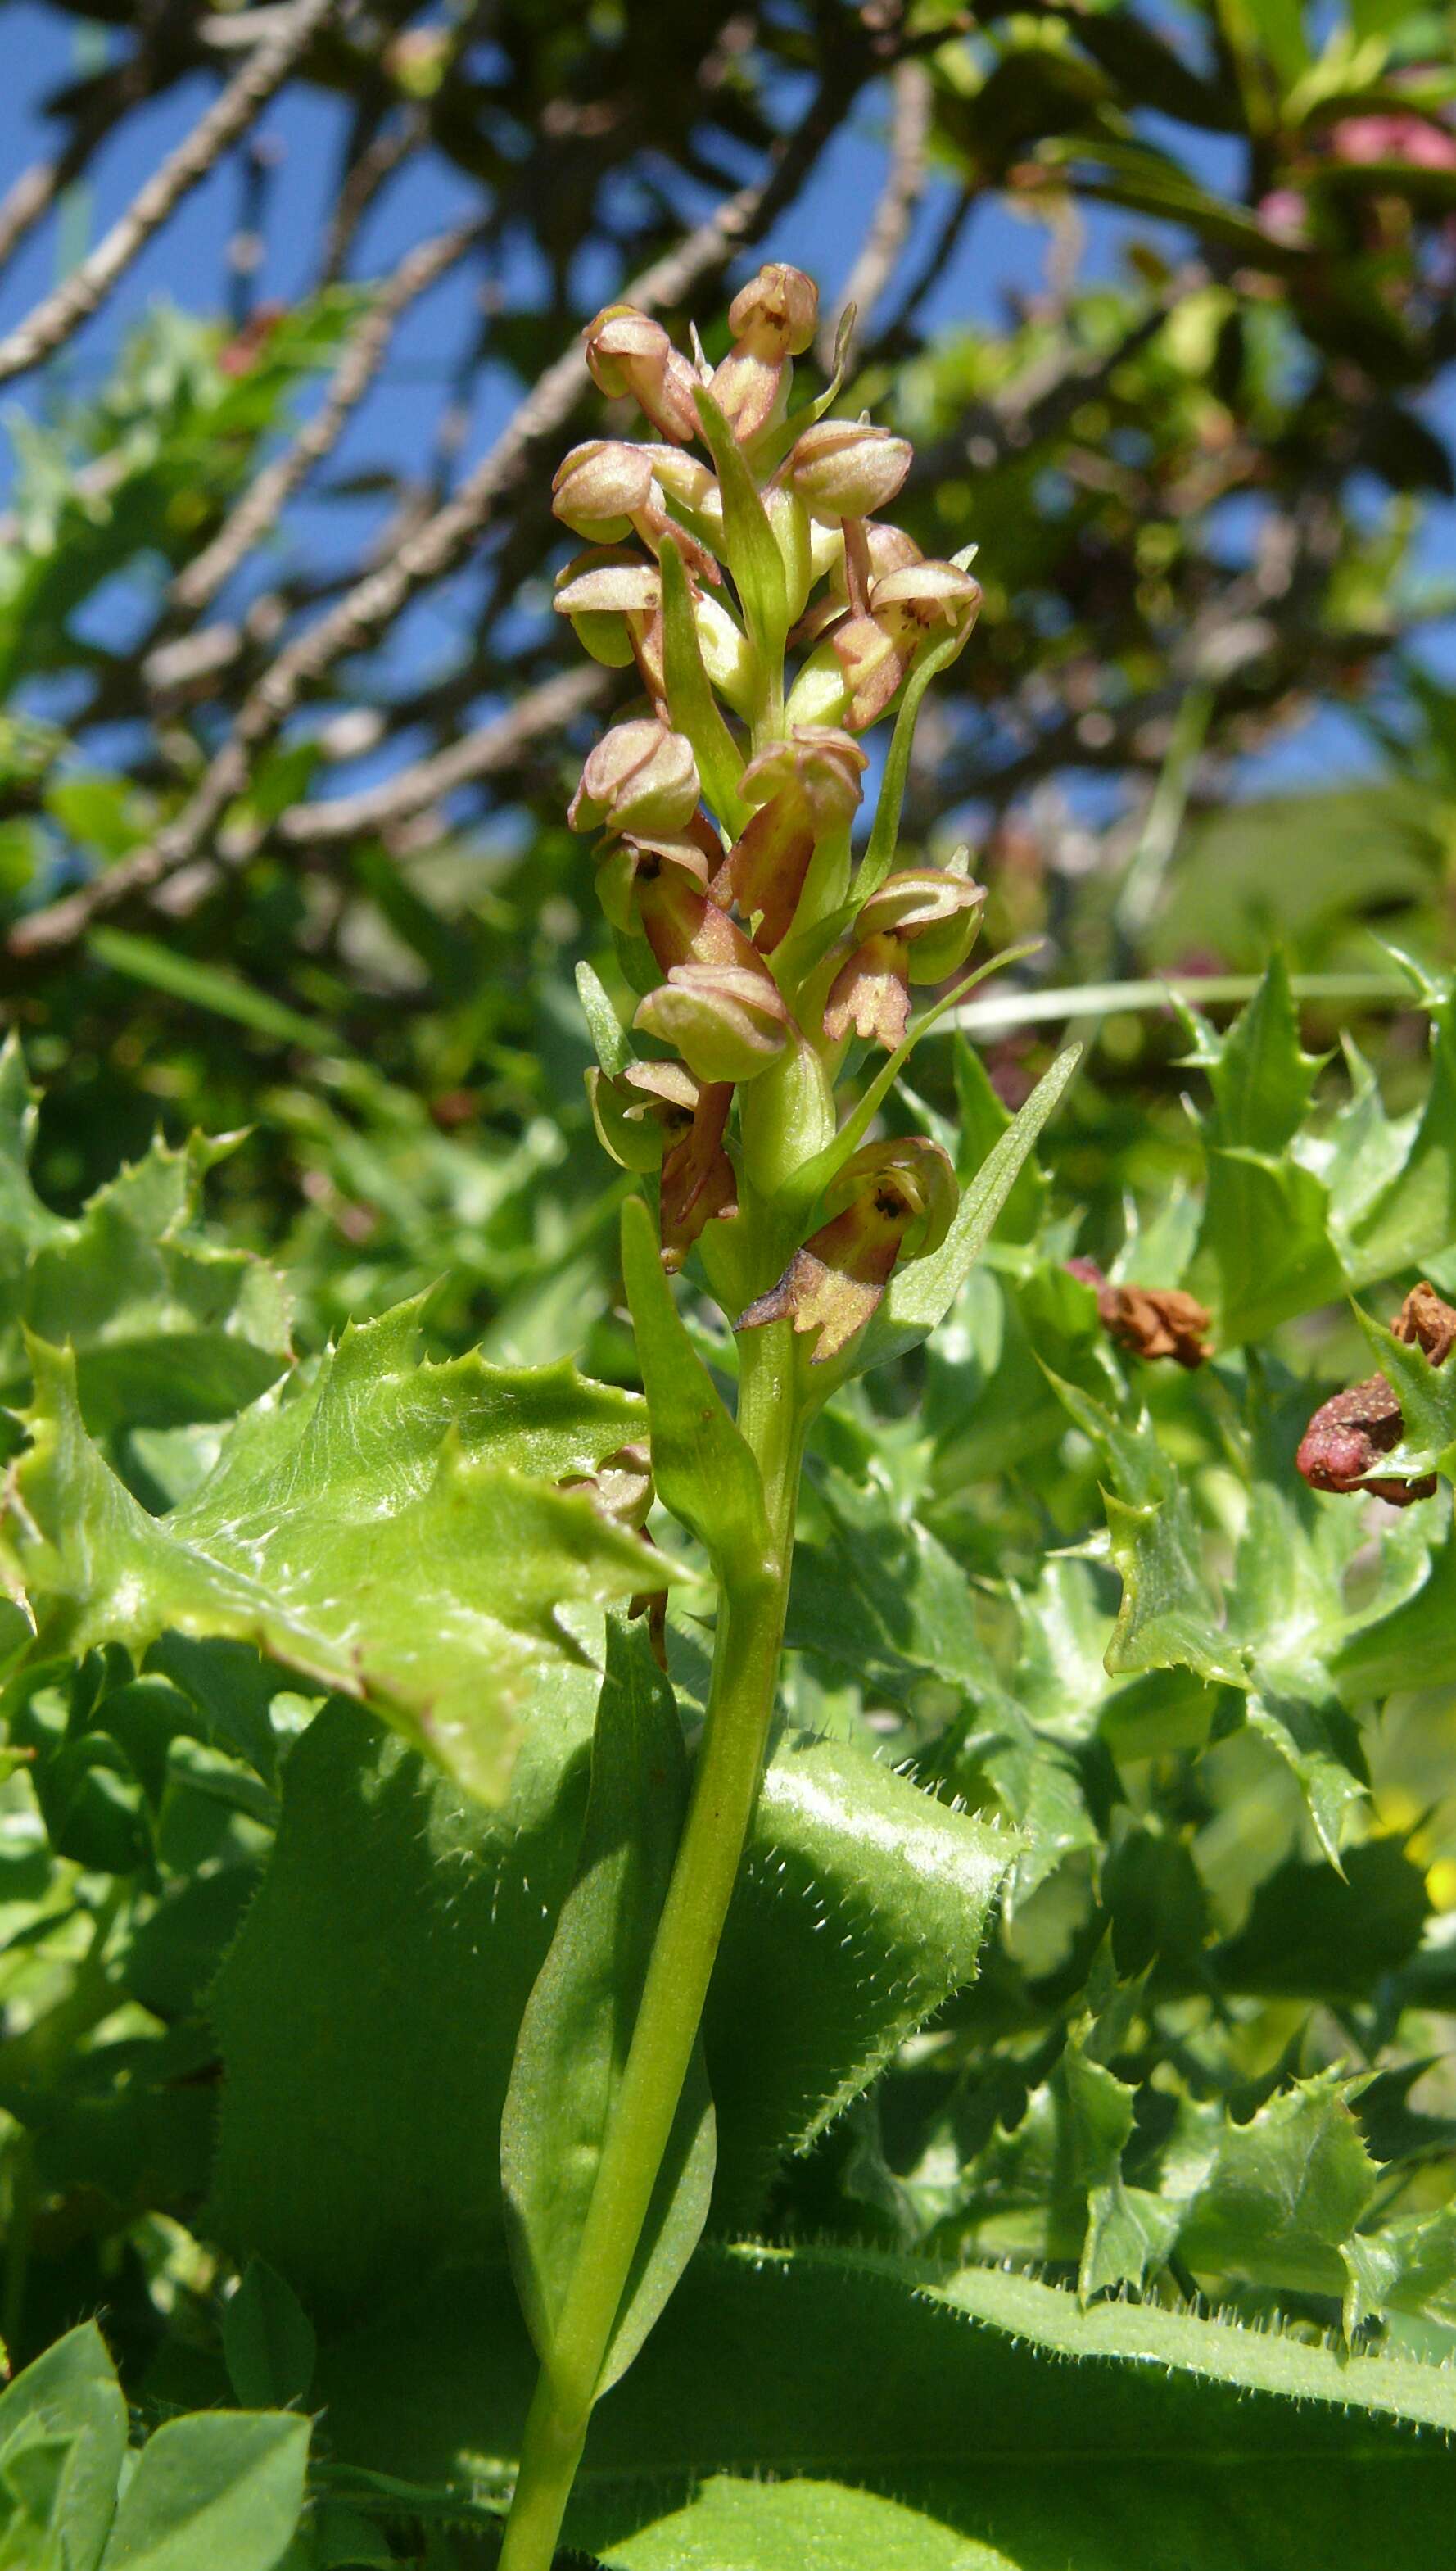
998, 252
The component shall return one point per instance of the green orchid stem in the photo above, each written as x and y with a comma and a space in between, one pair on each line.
749, 1642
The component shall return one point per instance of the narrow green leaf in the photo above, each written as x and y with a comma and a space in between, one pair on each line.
695, 709
608, 1036
224, 2488
748, 544
210, 987
267, 2341
879, 855
921, 1294
579, 2021
704, 1471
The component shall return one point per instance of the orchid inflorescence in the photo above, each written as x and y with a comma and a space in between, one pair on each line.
759, 951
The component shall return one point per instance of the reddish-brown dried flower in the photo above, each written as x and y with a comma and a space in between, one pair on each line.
1149, 1320
1346, 1440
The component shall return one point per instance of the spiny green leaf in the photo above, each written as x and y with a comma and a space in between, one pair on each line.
1260, 1077
1427, 1397
1275, 2198
951, 2390
1409, 2266
391, 1528
861, 1906
573, 2040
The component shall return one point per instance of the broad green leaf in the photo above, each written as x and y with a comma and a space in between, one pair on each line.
797, 2525
267, 2341
704, 1471
1225, 2449
749, 548
694, 707
390, 1528
579, 2021
69, 2399
922, 1293
368, 2012
224, 2488
398, 1934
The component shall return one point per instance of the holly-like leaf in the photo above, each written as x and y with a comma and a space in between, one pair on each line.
1413, 1215
573, 2046
1275, 2198
390, 1528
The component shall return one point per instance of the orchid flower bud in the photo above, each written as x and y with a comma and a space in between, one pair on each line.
923, 602
698, 1183
893, 1199
613, 598
640, 776
772, 319
727, 1021
728, 656
693, 489
847, 468
806, 787
936, 910
671, 876
640, 1111
602, 487
628, 353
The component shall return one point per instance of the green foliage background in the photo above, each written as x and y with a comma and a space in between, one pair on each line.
1087, 1992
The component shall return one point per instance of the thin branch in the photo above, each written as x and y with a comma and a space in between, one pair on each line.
264, 502
427, 554
367, 172
86, 289
485, 752
890, 225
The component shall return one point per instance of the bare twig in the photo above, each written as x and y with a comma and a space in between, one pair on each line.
431, 551
903, 189
485, 752
86, 289
367, 172
264, 500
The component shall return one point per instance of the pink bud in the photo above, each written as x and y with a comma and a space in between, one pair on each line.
640, 777
601, 487
727, 1021
845, 469
779, 306
628, 352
